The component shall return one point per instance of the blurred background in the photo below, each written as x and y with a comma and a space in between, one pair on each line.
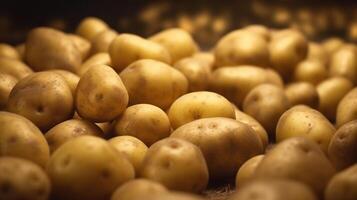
206, 20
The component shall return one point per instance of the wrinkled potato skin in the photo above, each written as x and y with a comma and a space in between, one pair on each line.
101, 42
96, 59
312, 71
343, 146
247, 170
343, 186
198, 105
71, 79
87, 167
14, 68
101, 95
91, 26
153, 82
21, 138
218, 139
69, 130
44, 98
344, 63
145, 122
24, 180
125, 49
7, 82
302, 93
8, 51
81, 44
347, 108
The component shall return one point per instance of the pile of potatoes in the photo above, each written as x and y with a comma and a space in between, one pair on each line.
100, 115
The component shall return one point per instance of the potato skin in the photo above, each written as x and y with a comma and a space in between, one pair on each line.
317, 52
100, 102
7, 82
343, 186
247, 170
153, 82
198, 105
89, 27
21, 138
312, 71
71, 79
42, 97
82, 45
225, 143
96, 59
332, 44
14, 68
101, 42
343, 146
170, 161
8, 51
22, 179
145, 122
344, 63
347, 108
302, 93
87, 167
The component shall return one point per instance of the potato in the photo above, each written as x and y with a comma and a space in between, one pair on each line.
87, 167
8, 51
344, 63
254, 124
132, 147
100, 95
170, 196
69, 130
283, 189
343, 186
47, 48
7, 82
21, 138
101, 42
263, 31
332, 44
107, 128
22, 179
178, 42
247, 170
145, 122
70, 78
153, 82
21, 50
197, 73
330, 92
242, 48
14, 68
306, 122
317, 52
89, 27
225, 143
96, 59
82, 45
125, 49
347, 108
138, 189
302, 93
312, 71
42, 97
206, 58
234, 83
298, 159
343, 145
287, 49
171, 161
266, 103
198, 105
274, 77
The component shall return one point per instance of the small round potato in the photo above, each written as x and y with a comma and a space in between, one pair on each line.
266, 103
89, 27
96, 59
242, 47
14, 68
177, 164
312, 71
21, 138
330, 92
81, 44
7, 82
225, 143
317, 52
198, 105
125, 49
102, 41
347, 108
343, 146
138, 189
247, 170
145, 122
101, 95
69, 130
178, 42
22, 179
71, 79
47, 48
87, 167
344, 63
133, 148
8, 51
302, 93
343, 186
332, 44
153, 82
306, 122
298, 159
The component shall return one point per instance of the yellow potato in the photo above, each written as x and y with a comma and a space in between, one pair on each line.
7, 82
302, 93
347, 108
70, 78
343, 186
247, 170
344, 63
206, 58
317, 52
332, 44
89, 27
96, 59
312, 71
21, 50
81, 44
274, 78
14, 68
8, 51
101, 42
263, 31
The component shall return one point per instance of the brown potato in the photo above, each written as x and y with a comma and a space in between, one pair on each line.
317, 52
302, 93
206, 58
344, 63
22, 179
21, 50
47, 48
263, 31
145, 122
312, 71
7, 82
8, 51
81, 44
107, 128
247, 170
70, 78
69, 130
101, 42
332, 44
125, 49
343, 186
14, 68
100, 95
96, 59
298, 159
343, 145
89, 27
274, 78
153, 82
347, 108
225, 143
42, 97
87, 167
21, 138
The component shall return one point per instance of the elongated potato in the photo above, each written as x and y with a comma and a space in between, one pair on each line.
14, 68
344, 63
347, 108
